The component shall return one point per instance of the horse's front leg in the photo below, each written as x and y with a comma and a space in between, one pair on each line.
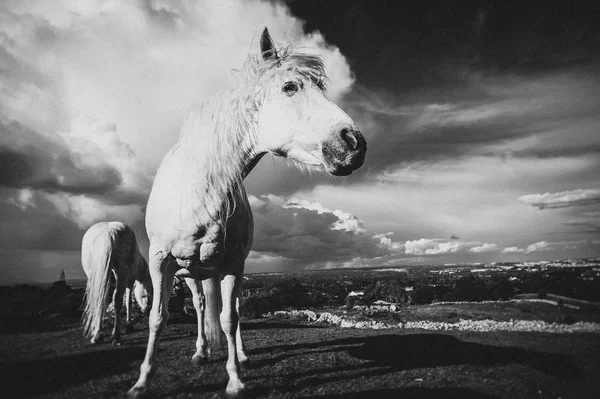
230, 286
128, 326
162, 282
118, 301
201, 355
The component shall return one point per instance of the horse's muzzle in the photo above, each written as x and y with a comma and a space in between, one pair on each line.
344, 151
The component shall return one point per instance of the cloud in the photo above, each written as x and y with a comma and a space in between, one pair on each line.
305, 233
345, 222
386, 241
513, 250
69, 61
484, 248
28, 220
425, 246
547, 116
93, 94
31, 160
540, 246
85, 211
88, 173
562, 199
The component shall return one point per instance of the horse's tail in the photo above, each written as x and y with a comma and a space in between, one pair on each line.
99, 259
212, 321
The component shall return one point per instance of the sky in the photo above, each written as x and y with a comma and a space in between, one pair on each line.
482, 120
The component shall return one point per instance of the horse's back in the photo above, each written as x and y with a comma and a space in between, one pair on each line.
114, 237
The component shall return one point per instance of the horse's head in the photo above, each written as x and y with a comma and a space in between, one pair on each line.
296, 120
143, 296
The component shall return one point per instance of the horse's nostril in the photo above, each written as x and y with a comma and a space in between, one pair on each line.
349, 138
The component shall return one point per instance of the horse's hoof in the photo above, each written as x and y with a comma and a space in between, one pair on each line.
199, 360
245, 364
129, 329
116, 342
136, 392
235, 389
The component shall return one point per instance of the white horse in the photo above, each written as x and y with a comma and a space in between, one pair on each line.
198, 218
109, 249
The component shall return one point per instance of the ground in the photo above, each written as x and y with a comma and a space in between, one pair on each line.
292, 360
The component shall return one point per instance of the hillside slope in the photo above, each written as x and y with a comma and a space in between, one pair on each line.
293, 361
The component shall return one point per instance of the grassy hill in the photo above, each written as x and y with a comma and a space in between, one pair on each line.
296, 360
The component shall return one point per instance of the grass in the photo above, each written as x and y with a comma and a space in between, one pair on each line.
298, 361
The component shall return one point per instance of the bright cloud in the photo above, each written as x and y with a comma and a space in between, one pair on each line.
93, 94
425, 246
536, 247
345, 222
484, 248
85, 211
513, 250
140, 65
562, 199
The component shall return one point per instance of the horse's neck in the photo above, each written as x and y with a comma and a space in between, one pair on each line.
217, 139
142, 274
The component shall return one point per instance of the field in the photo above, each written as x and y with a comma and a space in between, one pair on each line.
300, 360
439, 347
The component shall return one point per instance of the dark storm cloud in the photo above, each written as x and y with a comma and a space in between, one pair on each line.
413, 44
31, 160
308, 235
549, 116
445, 80
35, 224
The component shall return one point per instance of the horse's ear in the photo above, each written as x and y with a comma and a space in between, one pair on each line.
267, 46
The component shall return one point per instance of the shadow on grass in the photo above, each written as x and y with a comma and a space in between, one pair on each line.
411, 393
45, 376
403, 352
384, 354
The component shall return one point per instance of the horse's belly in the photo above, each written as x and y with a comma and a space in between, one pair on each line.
197, 271
197, 259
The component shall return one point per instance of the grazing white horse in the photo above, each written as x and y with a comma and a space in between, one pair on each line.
198, 218
109, 249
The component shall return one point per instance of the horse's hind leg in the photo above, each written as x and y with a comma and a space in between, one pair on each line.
118, 301
128, 326
97, 335
162, 282
243, 359
201, 355
230, 286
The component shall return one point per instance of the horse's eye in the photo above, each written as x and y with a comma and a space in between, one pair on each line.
290, 88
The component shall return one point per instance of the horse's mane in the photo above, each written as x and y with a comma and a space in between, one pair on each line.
221, 132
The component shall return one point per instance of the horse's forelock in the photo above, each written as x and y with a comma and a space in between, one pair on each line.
307, 65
